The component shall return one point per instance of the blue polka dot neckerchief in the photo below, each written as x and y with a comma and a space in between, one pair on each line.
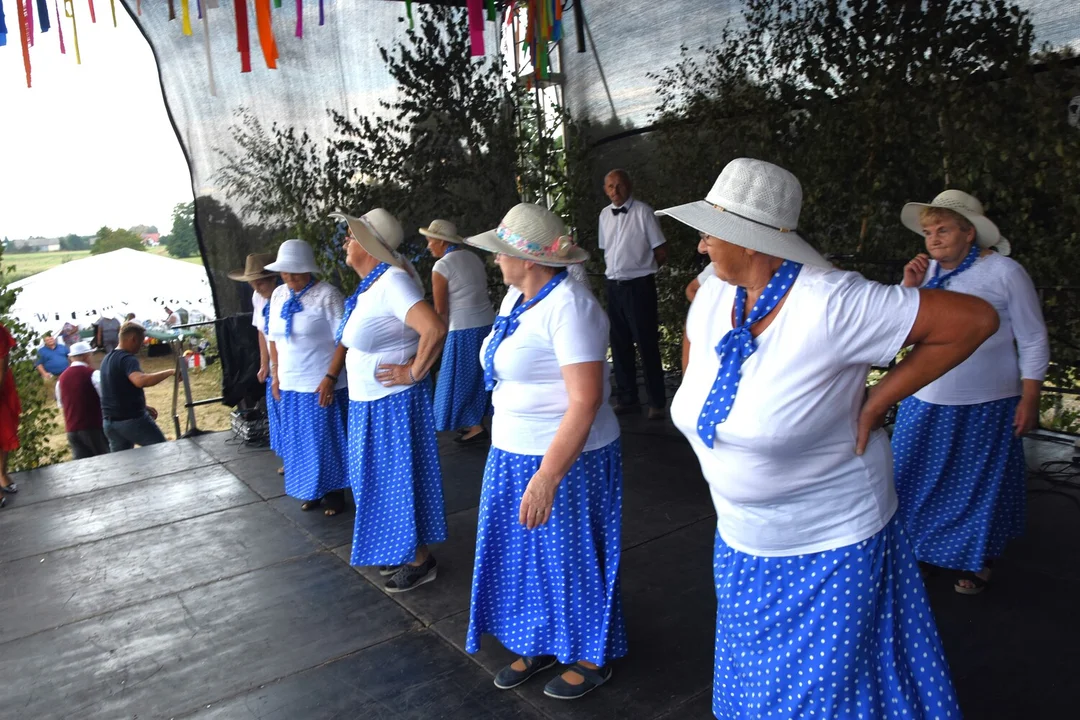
737, 345
350, 302
293, 305
940, 281
506, 325
266, 318
451, 247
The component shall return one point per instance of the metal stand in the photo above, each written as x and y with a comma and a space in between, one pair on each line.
181, 375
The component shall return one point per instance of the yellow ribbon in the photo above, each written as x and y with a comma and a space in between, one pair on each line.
185, 16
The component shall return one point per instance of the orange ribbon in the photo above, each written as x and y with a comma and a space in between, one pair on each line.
266, 33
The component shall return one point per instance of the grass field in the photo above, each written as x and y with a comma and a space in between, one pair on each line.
205, 384
27, 264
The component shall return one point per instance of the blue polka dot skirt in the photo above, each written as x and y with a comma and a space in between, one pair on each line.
311, 441
273, 416
553, 590
960, 478
395, 476
844, 633
460, 398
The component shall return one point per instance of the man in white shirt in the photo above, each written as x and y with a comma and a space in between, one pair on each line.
634, 250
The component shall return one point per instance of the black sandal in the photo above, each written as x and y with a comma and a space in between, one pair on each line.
591, 679
310, 504
978, 584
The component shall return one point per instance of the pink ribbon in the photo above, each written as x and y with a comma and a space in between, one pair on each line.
476, 27
299, 18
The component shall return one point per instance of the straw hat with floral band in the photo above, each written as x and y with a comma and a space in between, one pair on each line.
254, 268
987, 234
442, 230
756, 205
531, 232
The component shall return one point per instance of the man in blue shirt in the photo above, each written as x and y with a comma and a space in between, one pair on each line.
128, 421
52, 359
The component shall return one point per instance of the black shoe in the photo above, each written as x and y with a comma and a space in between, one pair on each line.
388, 570
410, 577
562, 690
11, 489
508, 677
476, 439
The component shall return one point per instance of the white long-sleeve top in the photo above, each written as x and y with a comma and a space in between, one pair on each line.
1018, 350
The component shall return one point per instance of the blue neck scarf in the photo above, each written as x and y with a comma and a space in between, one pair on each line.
350, 302
737, 345
292, 306
506, 325
451, 247
941, 281
266, 317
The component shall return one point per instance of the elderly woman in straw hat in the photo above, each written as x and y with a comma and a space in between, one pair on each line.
393, 338
957, 444
307, 381
262, 282
820, 611
546, 579
459, 290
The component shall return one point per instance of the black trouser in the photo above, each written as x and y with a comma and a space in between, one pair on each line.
88, 443
633, 315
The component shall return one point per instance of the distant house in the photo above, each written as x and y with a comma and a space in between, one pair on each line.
36, 244
151, 239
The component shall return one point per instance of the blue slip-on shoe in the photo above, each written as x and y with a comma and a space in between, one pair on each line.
562, 690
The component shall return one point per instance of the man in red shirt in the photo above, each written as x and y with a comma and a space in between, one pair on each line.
78, 392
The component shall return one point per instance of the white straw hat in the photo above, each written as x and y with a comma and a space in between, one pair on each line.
756, 205
442, 230
80, 348
378, 232
531, 232
987, 234
294, 256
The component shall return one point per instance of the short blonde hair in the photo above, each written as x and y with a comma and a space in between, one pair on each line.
931, 214
130, 328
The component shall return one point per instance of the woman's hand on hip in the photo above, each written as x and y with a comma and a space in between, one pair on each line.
871, 417
915, 271
391, 375
537, 501
326, 392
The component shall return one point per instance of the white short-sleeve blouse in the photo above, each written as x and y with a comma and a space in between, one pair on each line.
304, 357
530, 398
466, 280
783, 471
376, 334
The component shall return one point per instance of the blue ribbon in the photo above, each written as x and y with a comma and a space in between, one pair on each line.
506, 325
43, 14
350, 302
737, 345
940, 281
292, 306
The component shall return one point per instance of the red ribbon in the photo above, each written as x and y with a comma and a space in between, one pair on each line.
23, 38
243, 43
93, 19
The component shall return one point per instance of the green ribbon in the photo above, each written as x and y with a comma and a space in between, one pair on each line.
491, 10
408, 13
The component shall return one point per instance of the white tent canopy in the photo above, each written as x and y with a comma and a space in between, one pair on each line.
111, 284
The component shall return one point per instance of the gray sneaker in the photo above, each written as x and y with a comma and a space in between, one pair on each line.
410, 577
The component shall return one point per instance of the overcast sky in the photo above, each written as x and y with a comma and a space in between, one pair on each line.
88, 145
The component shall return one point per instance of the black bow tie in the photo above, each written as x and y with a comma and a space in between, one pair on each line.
619, 211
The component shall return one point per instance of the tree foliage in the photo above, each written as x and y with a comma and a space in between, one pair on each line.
107, 240
182, 242
444, 147
38, 419
874, 104
74, 242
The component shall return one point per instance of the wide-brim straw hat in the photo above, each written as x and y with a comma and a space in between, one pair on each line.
531, 232
442, 230
987, 234
254, 268
756, 205
378, 232
80, 348
294, 256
